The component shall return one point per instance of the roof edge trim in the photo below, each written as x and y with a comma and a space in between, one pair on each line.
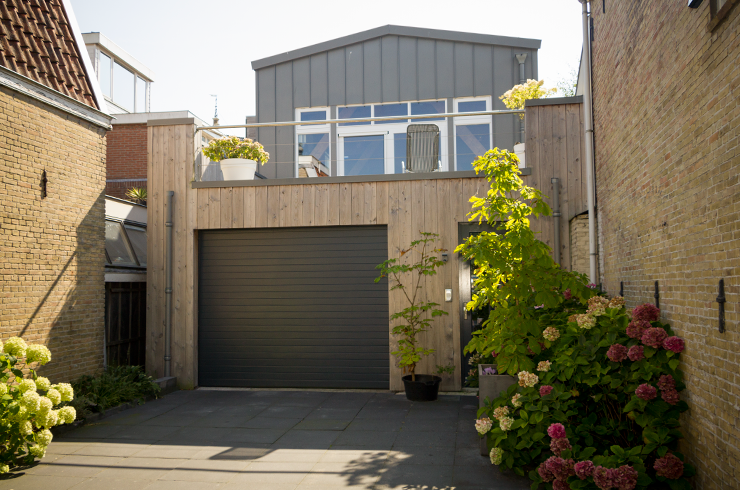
394, 30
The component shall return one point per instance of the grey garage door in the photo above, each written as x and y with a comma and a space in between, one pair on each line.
293, 307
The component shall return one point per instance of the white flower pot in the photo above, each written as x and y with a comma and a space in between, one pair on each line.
238, 168
519, 151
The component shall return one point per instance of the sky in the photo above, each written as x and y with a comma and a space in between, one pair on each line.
196, 49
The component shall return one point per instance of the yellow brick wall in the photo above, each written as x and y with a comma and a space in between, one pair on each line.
667, 128
52, 250
579, 251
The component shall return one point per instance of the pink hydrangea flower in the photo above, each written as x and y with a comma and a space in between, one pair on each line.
647, 312
669, 466
617, 353
646, 392
567, 294
584, 469
545, 390
626, 478
671, 397
604, 478
556, 431
557, 446
544, 473
674, 344
636, 328
560, 485
560, 468
636, 353
666, 383
654, 337
591, 286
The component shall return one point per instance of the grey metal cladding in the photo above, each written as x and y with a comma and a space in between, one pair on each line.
283, 156
337, 73
425, 69
463, 70
389, 57
355, 67
372, 72
393, 30
444, 64
266, 113
301, 83
319, 81
407, 64
293, 307
482, 70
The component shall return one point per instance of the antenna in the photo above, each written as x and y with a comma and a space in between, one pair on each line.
215, 113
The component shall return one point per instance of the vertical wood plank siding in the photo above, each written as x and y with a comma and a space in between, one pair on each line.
554, 149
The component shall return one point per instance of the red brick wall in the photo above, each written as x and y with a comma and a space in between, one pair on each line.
667, 134
126, 158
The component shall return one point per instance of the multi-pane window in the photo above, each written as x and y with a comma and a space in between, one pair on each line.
472, 133
125, 244
313, 141
121, 85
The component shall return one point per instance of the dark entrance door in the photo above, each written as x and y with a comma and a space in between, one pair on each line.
293, 307
470, 321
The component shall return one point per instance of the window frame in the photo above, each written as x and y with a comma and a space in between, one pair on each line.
121, 223
311, 129
471, 120
717, 15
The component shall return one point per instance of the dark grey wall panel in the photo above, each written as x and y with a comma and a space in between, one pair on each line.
505, 128
355, 68
372, 71
283, 156
319, 80
301, 83
266, 113
407, 67
336, 77
389, 56
293, 307
445, 70
482, 69
426, 69
463, 70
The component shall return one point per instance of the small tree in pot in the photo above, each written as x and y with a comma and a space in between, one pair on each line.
417, 316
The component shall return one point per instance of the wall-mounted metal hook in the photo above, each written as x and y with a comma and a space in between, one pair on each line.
657, 295
721, 300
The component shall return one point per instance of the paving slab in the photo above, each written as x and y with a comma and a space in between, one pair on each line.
276, 440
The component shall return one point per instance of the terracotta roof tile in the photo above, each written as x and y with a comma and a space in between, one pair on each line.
37, 42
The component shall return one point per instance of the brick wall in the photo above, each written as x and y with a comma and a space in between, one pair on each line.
667, 127
126, 159
52, 250
579, 251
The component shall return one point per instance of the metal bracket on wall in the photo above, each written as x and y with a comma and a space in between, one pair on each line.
657, 295
621, 289
721, 300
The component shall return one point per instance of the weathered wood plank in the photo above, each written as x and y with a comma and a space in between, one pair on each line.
181, 360
237, 207
190, 301
382, 199
284, 206
273, 206
308, 206
249, 207
227, 195
573, 149
370, 210
203, 212
296, 205
334, 205
560, 170
263, 213
321, 205
358, 202
214, 208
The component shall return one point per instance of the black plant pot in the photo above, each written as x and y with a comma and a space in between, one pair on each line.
424, 389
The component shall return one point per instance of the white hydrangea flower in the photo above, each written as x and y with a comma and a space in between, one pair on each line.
500, 412
543, 366
67, 415
496, 455
3, 389
26, 385
515, 400
47, 419
54, 396
25, 428
483, 425
506, 423
44, 437
43, 383
37, 353
527, 379
4, 468
31, 400
37, 451
15, 346
44, 404
66, 391
20, 416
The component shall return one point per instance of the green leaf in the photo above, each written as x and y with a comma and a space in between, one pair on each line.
673, 364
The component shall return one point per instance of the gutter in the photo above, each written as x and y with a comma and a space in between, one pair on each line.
589, 135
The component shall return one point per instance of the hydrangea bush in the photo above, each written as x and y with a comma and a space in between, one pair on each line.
605, 413
27, 405
235, 147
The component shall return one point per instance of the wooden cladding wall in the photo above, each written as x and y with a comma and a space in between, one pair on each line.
555, 149
406, 207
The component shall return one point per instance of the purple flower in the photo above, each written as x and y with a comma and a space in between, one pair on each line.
489, 371
556, 431
669, 466
560, 468
647, 312
646, 392
591, 286
617, 353
603, 477
666, 383
584, 469
636, 328
636, 353
544, 473
674, 344
560, 485
654, 337
626, 478
567, 294
671, 397
545, 390
538, 307
558, 445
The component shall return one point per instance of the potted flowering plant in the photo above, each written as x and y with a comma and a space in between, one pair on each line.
516, 97
238, 157
417, 316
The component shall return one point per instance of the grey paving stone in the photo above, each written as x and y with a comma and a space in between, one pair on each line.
168, 451
244, 452
278, 473
467, 438
93, 431
379, 424
35, 482
307, 439
287, 411
429, 438
74, 466
260, 486
110, 449
112, 484
344, 474
322, 424
333, 413
416, 476
422, 455
292, 455
371, 439
475, 475
470, 456
59, 446
382, 413
260, 422
182, 485
206, 471
352, 454
170, 419
215, 436
426, 424
140, 468
144, 432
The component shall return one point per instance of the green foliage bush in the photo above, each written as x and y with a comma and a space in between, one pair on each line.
234, 147
116, 385
27, 404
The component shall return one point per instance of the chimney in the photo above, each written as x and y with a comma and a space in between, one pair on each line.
215, 121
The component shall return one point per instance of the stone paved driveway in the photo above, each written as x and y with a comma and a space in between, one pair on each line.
276, 440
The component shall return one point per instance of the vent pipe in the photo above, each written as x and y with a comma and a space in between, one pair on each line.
521, 58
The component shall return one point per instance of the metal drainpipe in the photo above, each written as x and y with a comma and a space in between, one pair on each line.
521, 58
589, 135
556, 217
168, 288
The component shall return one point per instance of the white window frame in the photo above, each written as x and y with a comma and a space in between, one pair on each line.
311, 129
471, 120
388, 130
